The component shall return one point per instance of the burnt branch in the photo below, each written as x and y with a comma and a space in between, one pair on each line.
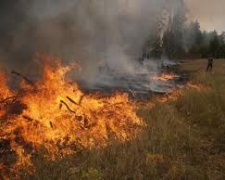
72, 101
51, 124
6, 100
34, 122
28, 118
81, 99
28, 81
67, 106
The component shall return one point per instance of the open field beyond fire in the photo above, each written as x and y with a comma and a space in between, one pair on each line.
176, 136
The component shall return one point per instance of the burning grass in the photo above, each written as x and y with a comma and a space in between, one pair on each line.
183, 139
165, 77
57, 116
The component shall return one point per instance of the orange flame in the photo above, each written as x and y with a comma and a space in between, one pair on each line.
58, 116
165, 77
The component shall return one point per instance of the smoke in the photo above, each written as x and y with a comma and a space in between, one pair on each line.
209, 13
109, 33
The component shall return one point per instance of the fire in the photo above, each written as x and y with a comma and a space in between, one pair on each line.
5, 93
171, 96
197, 86
165, 77
56, 115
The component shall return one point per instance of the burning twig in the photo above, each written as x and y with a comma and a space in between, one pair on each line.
67, 106
35, 122
85, 120
13, 98
51, 124
60, 106
81, 99
24, 78
72, 101
28, 118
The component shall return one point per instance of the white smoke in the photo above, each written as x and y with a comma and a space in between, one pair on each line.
96, 33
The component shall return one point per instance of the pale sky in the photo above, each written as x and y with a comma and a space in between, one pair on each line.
210, 13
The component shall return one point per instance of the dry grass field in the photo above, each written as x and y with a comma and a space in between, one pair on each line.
184, 138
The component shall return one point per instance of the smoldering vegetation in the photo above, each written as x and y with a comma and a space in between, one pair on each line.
106, 37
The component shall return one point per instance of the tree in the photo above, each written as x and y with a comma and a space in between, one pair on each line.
193, 39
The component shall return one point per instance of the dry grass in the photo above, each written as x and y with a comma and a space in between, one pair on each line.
184, 139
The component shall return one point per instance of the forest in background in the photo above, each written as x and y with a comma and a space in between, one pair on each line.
185, 39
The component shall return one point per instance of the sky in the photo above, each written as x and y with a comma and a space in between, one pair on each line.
210, 13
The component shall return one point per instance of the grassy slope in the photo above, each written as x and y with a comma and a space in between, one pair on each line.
185, 139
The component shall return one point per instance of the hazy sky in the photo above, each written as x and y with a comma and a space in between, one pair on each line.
210, 13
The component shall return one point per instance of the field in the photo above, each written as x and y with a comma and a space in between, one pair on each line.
184, 138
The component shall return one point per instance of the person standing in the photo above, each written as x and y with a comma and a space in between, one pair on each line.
210, 64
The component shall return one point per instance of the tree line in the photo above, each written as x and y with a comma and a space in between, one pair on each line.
185, 40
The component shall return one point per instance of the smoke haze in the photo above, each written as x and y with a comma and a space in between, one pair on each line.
95, 33
209, 13
76, 29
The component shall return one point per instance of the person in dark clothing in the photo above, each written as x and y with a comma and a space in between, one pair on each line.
210, 64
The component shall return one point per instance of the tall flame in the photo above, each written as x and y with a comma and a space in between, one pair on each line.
58, 116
